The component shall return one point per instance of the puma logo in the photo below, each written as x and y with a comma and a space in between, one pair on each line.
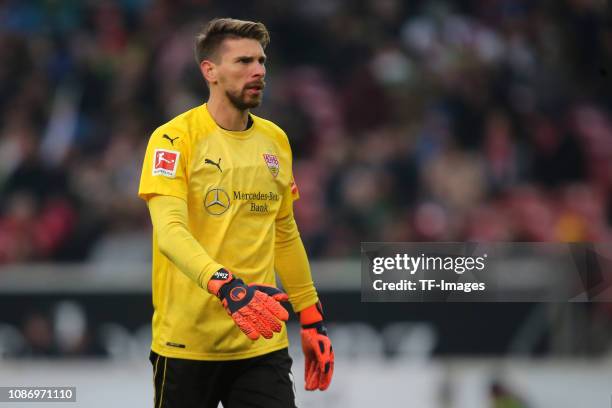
169, 138
217, 164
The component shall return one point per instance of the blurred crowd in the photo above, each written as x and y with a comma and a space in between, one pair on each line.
484, 120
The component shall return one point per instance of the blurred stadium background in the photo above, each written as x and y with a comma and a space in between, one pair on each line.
480, 120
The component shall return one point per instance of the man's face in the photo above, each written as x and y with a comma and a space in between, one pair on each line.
241, 72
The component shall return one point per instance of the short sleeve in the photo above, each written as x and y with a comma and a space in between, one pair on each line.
164, 170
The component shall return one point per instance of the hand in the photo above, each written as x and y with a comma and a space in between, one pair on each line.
255, 308
317, 348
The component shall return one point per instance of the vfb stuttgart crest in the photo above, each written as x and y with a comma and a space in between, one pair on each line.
272, 163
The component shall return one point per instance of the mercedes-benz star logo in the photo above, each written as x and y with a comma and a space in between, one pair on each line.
216, 201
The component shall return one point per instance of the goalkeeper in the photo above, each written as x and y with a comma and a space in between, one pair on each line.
219, 186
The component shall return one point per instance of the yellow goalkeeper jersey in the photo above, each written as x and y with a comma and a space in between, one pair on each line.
236, 184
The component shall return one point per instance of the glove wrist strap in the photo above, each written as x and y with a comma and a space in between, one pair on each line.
218, 280
311, 315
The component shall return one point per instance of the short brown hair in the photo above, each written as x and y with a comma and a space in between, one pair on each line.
209, 39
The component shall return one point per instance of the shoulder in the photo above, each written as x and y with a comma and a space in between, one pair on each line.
273, 131
184, 123
183, 128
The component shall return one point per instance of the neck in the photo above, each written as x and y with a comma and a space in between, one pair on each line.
226, 115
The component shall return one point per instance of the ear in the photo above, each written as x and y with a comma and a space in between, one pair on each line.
209, 71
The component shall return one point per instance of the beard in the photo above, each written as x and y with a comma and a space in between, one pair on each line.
243, 101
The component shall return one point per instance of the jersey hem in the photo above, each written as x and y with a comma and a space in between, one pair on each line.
165, 352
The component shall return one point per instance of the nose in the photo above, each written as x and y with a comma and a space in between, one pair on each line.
260, 70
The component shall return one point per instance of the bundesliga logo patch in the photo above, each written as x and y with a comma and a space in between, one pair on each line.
165, 162
272, 163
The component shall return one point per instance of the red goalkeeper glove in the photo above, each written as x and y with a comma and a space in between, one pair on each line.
317, 348
255, 308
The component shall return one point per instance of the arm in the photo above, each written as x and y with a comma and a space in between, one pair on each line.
169, 218
255, 308
291, 263
293, 269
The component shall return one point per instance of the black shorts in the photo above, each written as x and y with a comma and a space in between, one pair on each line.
264, 381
